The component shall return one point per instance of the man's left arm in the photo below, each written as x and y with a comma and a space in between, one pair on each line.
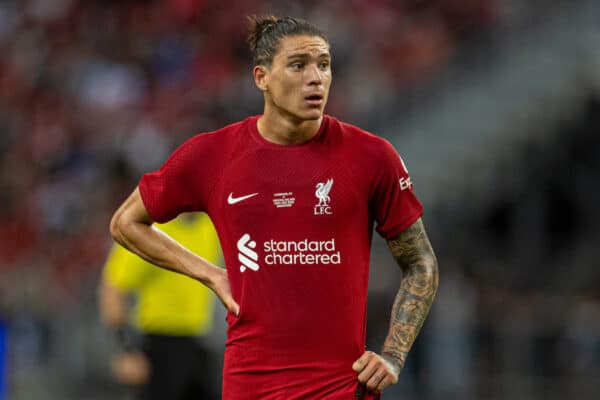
414, 254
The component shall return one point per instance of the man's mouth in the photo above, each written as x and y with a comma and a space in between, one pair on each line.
314, 99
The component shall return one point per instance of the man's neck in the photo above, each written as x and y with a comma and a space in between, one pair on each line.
279, 129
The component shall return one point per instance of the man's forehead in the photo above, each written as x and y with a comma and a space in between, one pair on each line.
312, 45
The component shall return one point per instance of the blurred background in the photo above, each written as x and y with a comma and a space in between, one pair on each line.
493, 104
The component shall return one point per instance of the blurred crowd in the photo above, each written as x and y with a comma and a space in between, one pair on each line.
95, 93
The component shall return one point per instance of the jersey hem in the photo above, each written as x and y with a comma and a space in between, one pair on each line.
398, 229
147, 203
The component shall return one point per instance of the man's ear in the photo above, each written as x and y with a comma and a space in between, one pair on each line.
261, 77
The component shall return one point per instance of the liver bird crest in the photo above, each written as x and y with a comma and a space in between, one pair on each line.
322, 192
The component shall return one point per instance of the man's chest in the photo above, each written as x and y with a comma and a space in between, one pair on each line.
302, 188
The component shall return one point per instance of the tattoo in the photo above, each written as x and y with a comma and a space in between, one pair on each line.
414, 254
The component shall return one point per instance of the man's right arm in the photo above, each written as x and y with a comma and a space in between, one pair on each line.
129, 365
131, 226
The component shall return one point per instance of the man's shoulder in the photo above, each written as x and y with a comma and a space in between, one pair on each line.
356, 136
225, 133
218, 141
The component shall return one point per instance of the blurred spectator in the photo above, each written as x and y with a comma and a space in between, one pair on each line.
2, 359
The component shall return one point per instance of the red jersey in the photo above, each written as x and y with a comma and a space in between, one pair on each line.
295, 224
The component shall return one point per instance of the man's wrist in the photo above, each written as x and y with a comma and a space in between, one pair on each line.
126, 338
395, 358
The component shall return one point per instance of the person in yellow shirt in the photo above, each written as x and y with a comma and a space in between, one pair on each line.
160, 351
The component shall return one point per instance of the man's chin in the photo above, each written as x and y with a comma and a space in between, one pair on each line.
306, 115
313, 115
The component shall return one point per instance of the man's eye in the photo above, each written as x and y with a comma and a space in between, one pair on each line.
324, 65
297, 65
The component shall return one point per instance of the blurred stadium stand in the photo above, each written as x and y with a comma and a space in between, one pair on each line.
494, 105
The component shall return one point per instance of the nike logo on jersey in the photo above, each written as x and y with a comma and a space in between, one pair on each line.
233, 200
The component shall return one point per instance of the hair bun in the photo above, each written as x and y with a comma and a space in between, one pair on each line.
258, 26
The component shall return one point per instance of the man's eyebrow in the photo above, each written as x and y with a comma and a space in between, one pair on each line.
307, 55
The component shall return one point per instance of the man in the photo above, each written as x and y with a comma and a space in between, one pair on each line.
173, 312
294, 195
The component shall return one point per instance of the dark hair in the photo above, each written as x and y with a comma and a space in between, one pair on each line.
266, 32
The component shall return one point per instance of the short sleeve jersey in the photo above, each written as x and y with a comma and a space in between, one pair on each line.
295, 224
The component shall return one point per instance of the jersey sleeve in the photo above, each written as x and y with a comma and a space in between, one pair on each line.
182, 184
393, 202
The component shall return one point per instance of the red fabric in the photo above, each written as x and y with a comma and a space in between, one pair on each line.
303, 311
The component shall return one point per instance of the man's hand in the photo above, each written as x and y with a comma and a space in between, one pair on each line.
375, 371
219, 283
131, 368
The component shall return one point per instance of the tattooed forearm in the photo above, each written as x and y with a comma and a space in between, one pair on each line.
414, 254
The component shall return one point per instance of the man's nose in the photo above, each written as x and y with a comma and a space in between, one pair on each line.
314, 75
